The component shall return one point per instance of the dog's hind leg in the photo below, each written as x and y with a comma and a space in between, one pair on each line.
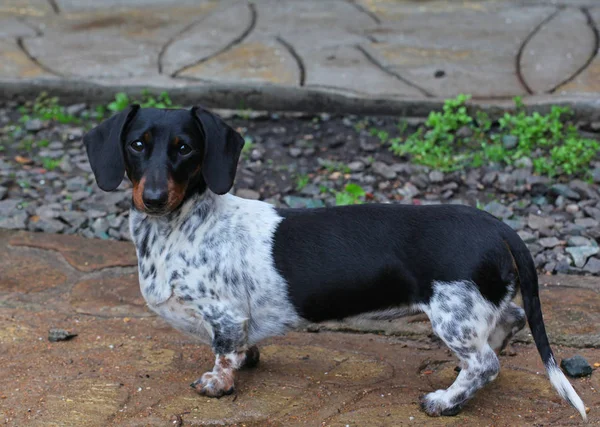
463, 319
511, 321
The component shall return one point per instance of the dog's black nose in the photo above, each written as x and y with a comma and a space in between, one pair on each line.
155, 198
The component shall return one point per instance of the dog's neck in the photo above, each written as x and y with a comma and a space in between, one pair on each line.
200, 205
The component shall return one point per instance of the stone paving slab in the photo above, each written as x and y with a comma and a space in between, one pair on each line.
342, 55
126, 367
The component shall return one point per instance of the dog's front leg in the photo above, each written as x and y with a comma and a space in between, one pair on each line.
230, 346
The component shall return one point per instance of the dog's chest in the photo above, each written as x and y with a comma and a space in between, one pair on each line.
211, 261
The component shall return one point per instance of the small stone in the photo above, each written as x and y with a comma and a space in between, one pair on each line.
524, 163
572, 208
498, 210
596, 175
565, 191
464, 132
550, 267
76, 183
576, 367
75, 109
100, 226
74, 218
536, 222
246, 193
563, 266
592, 266
539, 200
302, 202
16, 221
356, 166
436, 176
79, 195
586, 222
383, 170
580, 254
48, 225
526, 236
256, 155
55, 335
369, 146
489, 178
510, 141
34, 125
583, 188
549, 242
295, 152
408, 191
580, 241
515, 224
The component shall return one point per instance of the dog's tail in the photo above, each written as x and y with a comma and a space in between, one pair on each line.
528, 281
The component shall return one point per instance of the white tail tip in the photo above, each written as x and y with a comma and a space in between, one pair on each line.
564, 387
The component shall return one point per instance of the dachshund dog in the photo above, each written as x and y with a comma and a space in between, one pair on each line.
231, 272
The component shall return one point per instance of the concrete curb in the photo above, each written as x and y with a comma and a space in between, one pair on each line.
286, 98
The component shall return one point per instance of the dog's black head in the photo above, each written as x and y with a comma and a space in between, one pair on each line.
168, 154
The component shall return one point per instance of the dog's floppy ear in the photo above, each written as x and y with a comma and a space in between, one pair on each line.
222, 149
104, 146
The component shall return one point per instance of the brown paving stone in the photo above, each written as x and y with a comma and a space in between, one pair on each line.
546, 64
27, 273
83, 254
110, 296
255, 62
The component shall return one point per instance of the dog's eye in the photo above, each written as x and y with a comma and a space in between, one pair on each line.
184, 149
137, 146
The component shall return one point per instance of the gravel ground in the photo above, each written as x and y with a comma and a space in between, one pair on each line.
46, 182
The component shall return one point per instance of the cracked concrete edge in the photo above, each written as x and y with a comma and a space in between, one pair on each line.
273, 98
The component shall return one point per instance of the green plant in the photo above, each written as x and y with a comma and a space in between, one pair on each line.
42, 143
554, 144
147, 100
331, 166
302, 181
352, 194
46, 108
50, 164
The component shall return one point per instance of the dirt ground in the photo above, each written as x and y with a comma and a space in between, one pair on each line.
126, 367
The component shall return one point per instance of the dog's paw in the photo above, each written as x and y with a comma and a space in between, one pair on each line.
213, 385
435, 405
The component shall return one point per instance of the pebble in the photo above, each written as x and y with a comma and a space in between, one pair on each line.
580, 241
356, 166
565, 191
302, 202
383, 170
592, 266
369, 147
498, 210
408, 191
572, 208
580, 254
526, 236
33, 125
586, 222
536, 222
55, 335
576, 367
295, 152
436, 177
549, 242
510, 141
